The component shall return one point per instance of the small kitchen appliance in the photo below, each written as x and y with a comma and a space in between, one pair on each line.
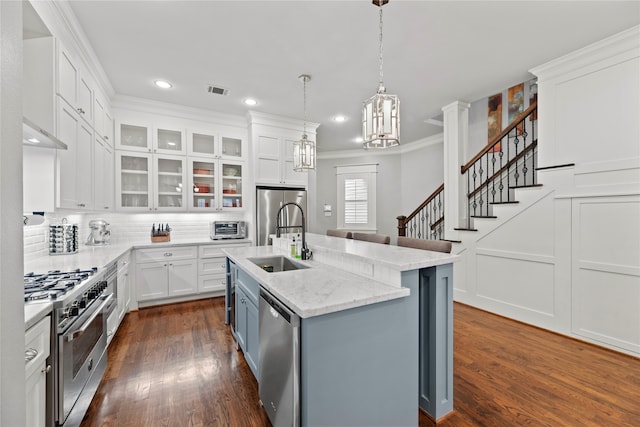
228, 230
99, 233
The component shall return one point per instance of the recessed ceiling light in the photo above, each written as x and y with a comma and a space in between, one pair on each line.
163, 84
339, 119
358, 140
250, 102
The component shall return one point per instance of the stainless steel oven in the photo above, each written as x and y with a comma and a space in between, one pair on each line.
82, 361
82, 301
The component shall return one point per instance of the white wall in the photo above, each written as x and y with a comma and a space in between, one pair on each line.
388, 202
12, 385
422, 171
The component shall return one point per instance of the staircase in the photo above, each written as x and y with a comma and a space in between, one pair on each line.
506, 165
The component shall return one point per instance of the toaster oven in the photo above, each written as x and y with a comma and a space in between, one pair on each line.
228, 230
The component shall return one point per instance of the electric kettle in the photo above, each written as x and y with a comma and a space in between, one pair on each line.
99, 233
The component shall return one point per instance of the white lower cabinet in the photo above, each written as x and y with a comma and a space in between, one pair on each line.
166, 272
212, 267
36, 371
179, 273
123, 295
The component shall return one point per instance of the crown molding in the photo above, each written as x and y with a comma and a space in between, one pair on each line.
273, 120
402, 149
625, 43
125, 102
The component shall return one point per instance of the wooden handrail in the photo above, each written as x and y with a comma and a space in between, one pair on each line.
504, 168
499, 137
425, 203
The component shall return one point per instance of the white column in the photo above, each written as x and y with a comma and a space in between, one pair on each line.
12, 385
456, 138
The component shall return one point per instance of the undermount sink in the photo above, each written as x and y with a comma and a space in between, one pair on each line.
276, 264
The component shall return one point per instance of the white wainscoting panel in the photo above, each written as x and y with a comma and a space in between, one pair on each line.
606, 308
517, 282
606, 270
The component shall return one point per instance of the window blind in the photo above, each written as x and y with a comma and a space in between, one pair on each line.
355, 201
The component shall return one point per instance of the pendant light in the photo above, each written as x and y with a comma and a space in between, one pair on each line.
381, 112
304, 150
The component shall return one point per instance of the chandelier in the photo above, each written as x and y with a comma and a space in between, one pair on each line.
304, 150
381, 112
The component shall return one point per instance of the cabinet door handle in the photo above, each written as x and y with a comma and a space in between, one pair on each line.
168, 254
46, 369
30, 354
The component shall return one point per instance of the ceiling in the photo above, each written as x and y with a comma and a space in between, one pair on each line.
435, 52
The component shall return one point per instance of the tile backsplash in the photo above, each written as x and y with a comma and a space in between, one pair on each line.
124, 227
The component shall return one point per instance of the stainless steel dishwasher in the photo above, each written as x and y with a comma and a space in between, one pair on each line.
279, 373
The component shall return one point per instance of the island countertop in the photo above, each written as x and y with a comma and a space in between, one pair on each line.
314, 291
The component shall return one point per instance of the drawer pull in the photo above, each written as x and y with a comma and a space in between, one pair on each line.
168, 254
30, 354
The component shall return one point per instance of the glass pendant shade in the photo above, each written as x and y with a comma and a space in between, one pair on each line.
380, 121
304, 154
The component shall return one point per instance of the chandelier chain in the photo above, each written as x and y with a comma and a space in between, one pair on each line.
381, 60
304, 103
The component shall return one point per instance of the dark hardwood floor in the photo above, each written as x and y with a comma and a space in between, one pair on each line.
177, 365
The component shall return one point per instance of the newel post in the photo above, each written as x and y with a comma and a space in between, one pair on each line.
456, 137
402, 226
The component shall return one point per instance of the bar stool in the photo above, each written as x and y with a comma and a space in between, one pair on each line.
339, 233
428, 245
373, 238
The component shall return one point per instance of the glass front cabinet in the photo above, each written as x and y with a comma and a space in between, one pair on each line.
146, 182
211, 144
215, 184
151, 139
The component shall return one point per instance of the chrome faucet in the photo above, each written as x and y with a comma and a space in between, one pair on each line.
304, 252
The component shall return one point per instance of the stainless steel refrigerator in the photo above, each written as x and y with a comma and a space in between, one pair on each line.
268, 201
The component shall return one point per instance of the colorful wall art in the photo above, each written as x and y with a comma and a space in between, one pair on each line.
494, 120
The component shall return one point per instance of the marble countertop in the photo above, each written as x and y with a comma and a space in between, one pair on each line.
97, 256
391, 256
101, 256
320, 289
34, 311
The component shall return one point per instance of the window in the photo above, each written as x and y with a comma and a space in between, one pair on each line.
357, 197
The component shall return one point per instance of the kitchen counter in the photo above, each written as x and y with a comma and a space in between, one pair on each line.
35, 311
100, 257
317, 290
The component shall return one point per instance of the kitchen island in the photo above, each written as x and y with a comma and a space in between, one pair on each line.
375, 330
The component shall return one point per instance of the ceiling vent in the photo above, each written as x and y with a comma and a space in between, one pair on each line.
216, 90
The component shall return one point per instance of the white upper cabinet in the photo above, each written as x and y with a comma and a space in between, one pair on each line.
74, 84
215, 145
74, 182
272, 139
102, 119
215, 184
144, 137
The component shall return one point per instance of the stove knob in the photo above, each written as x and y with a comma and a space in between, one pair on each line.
83, 302
92, 294
75, 309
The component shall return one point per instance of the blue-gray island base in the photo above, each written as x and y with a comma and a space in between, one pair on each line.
378, 363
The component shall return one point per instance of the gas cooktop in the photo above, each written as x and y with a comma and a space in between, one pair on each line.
53, 285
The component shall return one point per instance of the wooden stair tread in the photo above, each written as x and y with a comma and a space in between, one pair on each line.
526, 186
504, 203
465, 229
484, 216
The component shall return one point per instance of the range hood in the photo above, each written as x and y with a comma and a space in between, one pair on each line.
34, 136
